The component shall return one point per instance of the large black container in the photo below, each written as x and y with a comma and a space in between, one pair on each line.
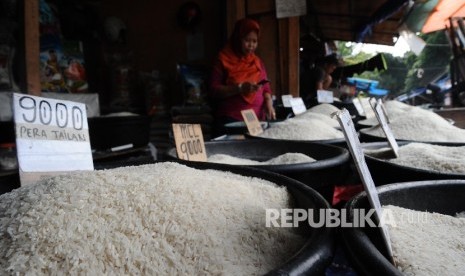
7, 132
335, 142
113, 131
368, 138
330, 169
363, 124
316, 254
9, 180
238, 127
364, 246
385, 172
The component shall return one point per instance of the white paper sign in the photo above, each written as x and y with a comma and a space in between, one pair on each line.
298, 105
290, 8
380, 102
372, 101
369, 112
51, 135
286, 100
358, 105
324, 96
387, 130
356, 150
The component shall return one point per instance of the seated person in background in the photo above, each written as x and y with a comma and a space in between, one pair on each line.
236, 74
317, 78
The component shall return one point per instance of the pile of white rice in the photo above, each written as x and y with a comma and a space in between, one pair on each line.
312, 116
324, 108
283, 159
321, 112
442, 159
160, 219
394, 110
302, 130
417, 124
425, 243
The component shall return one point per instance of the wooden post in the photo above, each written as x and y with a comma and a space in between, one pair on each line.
289, 36
31, 47
236, 11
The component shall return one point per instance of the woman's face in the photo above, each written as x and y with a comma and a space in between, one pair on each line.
249, 43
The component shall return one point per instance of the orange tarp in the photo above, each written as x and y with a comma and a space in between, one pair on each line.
438, 19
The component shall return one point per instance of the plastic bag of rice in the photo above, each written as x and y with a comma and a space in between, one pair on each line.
159, 219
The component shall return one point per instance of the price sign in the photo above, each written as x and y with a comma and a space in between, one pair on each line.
358, 105
380, 102
356, 150
189, 142
298, 106
387, 130
372, 101
286, 100
369, 111
51, 135
251, 121
324, 96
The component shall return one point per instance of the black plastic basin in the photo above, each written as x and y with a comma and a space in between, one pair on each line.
330, 169
364, 246
239, 127
9, 180
368, 138
385, 172
113, 131
317, 252
341, 142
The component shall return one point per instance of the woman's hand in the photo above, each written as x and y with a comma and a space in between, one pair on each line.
269, 109
247, 88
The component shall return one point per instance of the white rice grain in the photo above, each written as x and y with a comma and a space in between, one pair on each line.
442, 159
283, 159
417, 124
427, 243
302, 129
325, 109
160, 219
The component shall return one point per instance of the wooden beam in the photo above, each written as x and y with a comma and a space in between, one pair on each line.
31, 47
236, 9
289, 55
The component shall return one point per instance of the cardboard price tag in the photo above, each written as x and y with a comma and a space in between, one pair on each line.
189, 142
356, 151
387, 130
324, 96
51, 136
298, 105
251, 121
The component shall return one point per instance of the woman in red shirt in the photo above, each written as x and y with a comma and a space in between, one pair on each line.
235, 78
